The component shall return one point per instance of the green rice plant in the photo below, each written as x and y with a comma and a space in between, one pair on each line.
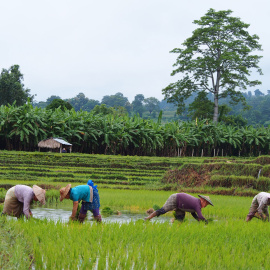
52, 196
156, 207
224, 244
266, 170
136, 172
232, 180
263, 183
2, 194
15, 251
107, 211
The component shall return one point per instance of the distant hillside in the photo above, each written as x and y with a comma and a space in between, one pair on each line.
257, 115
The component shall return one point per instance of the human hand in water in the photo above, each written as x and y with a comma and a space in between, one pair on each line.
73, 218
98, 218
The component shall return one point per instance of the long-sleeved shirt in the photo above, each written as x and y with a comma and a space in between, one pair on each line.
188, 203
25, 195
262, 199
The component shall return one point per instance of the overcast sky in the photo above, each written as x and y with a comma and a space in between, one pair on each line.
99, 48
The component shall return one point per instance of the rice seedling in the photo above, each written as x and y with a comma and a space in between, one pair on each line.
227, 244
15, 253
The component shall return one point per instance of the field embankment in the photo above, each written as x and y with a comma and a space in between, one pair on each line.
226, 176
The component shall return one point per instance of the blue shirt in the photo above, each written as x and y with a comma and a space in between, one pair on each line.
80, 193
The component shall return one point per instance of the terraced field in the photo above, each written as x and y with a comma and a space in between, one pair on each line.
227, 176
52, 169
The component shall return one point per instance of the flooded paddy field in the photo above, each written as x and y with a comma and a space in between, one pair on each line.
59, 214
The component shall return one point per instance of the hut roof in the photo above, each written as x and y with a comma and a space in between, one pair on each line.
53, 143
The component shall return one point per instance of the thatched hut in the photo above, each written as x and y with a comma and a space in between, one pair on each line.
55, 143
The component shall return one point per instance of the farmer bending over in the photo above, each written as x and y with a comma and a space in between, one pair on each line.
182, 203
259, 207
89, 196
18, 199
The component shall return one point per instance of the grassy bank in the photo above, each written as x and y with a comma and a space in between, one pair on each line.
225, 176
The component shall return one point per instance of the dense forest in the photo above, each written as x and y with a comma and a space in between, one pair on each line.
256, 113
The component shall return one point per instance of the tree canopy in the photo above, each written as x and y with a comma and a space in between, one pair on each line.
137, 104
79, 101
218, 57
201, 107
11, 87
115, 100
151, 104
51, 98
57, 102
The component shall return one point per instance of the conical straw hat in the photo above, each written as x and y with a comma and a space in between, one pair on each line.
206, 198
39, 193
64, 191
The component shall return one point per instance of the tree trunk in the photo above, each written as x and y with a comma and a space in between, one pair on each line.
215, 117
216, 88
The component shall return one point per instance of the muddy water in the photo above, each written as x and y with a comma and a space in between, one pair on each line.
63, 215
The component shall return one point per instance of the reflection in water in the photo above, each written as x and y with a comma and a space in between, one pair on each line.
63, 215
49, 213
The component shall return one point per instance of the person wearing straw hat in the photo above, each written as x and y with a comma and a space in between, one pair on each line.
259, 207
182, 203
18, 199
89, 196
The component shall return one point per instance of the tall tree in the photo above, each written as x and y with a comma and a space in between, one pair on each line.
218, 58
151, 104
201, 107
137, 104
51, 98
78, 102
58, 102
258, 93
114, 100
11, 87
90, 105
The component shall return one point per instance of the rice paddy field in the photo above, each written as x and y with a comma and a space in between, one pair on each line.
133, 185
